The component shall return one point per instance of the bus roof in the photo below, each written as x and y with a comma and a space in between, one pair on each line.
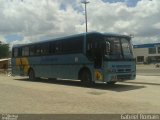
70, 36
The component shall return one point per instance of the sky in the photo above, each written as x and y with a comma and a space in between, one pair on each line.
25, 21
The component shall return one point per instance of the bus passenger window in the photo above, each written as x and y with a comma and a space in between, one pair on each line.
45, 49
52, 48
38, 50
107, 47
32, 51
25, 51
15, 52
58, 47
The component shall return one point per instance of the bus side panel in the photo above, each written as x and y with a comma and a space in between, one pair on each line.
59, 66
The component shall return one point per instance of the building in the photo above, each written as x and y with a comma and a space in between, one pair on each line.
147, 53
4, 63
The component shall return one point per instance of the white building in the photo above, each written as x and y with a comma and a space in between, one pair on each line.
147, 53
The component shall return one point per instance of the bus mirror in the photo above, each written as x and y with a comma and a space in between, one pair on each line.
107, 47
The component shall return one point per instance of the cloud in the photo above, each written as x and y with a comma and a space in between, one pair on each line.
39, 20
36, 19
141, 20
2, 39
156, 25
24, 41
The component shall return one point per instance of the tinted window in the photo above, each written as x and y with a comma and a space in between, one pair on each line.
65, 46
15, 52
158, 49
73, 45
44, 49
25, 51
32, 50
52, 48
37, 50
58, 47
40, 49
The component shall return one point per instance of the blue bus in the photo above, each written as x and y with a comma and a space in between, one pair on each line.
88, 57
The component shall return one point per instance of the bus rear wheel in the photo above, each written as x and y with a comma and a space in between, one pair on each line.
86, 77
31, 74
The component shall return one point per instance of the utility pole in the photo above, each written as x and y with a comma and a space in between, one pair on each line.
85, 2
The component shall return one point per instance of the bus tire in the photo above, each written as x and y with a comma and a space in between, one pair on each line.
31, 74
86, 77
111, 83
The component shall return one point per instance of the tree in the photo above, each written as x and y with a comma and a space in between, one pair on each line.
4, 50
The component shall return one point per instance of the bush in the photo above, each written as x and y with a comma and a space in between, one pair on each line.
4, 50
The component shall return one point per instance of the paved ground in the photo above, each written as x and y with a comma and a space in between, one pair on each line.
18, 95
148, 70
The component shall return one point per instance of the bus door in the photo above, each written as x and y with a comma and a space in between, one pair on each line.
95, 54
98, 57
98, 61
100, 50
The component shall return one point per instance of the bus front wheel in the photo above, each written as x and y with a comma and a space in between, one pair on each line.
86, 77
31, 74
111, 82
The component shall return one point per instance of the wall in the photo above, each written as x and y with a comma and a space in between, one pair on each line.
143, 52
4, 64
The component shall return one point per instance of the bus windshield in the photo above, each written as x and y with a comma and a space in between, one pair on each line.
126, 48
118, 48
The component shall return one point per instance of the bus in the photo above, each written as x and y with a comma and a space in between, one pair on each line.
89, 57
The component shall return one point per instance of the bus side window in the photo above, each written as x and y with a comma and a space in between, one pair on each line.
25, 51
44, 49
31, 50
37, 50
73, 45
19, 52
89, 51
15, 52
107, 47
58, 47
89, 48
52, 48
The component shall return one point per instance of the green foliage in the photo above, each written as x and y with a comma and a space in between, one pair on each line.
4, 50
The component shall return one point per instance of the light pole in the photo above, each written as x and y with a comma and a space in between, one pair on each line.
85, 2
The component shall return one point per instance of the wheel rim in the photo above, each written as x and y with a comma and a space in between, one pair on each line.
86, 77
111, 82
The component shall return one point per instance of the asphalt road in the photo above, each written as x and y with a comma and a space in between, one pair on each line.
19, 95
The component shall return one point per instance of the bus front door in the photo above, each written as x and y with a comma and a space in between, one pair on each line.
98, 64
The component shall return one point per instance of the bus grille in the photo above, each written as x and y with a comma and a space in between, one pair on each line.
123, 70
124, 77
123, 66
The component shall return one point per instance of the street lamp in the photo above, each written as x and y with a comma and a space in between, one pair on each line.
85, 2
